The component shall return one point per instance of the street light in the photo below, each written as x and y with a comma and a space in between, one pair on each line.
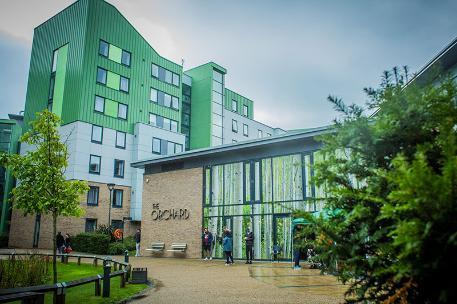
111, 188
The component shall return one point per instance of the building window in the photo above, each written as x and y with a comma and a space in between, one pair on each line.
119, 168
92, 196
51, 87
260, 134
245, 130
99, 104
234, 126
234, 105
156, 145
101, 76
54, 61
97, 134
91, 225
125, 59
168, 76
218, 76
174, 125
166, 123
167, 100
170, 147
155, 71
152, 119
117, 224
245, 110
122, 111
103, 48
117, 198
176, 79
175, 102
120, 139
153, 96
124, 84
178, 148
164, 75
94, 164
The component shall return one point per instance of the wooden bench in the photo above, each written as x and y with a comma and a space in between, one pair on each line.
156, 247
178, 247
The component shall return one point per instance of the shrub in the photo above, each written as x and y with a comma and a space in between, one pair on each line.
91, 242
119, 247
24, 271
106, 230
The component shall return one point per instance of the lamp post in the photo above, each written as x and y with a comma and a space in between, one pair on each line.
111, 188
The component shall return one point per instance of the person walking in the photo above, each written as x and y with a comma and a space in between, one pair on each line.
67, 244
227, 244
249, 239
60, 242
207, 243
137, 238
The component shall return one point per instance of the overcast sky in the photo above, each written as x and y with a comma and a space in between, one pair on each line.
287, 56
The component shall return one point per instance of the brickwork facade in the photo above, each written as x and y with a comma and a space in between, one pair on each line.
22, 228
172, 211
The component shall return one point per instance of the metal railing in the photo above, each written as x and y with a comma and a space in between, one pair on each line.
35, 294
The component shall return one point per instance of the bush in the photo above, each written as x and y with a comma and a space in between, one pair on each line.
3, 240
24, 271
91, 242
119, 247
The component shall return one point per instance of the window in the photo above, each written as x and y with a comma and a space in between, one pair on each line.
103, 48
186, 119
125, 59
120, 139
170, 147
166, 123
153, 96
178, 148
245, 130
97, 134
119, 168
122, 111
217, 87
155, 71
245, 110
51, 87
156, 145
260, 134
174, 126
176, 79
117, 224
91, 225
217, 76
168, 76
101, 76
152, 119
234, 126
167, 100
234, 105
175, 102
99, 104
124, 85
117, 198
54, 61
217, 98
94, 164
92, 196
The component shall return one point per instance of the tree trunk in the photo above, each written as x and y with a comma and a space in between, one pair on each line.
54, 252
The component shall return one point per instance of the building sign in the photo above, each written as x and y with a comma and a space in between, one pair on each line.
168, 214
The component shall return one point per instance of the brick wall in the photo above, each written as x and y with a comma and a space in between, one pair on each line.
22, 228
181, 189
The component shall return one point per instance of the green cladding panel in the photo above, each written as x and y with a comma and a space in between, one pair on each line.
81, 26
111, 108
59, 86
241, 100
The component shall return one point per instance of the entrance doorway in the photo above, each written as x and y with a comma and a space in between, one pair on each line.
282, 234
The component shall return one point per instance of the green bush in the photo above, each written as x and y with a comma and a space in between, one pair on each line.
91, 243
119, 247
24, 271
3, 240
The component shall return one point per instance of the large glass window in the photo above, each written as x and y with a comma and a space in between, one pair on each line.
217, 76
173, 125
167, 100
217, 87
91, 225
51, 87
120, 139
118, 196
170, 147
103, 48
92, 196
94, 164
119, 168
166, 123
217, 98
97, 134
99, 104
54, 61
156, 145
124, 84
155, 70
122, 111
168, 76
175, 102
125, 60
176, 79
178, 148
101, 75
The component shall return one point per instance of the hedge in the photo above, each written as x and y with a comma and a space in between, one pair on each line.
91, 243
119, 247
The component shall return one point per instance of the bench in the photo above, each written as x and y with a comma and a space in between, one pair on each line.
156, 247
178, 247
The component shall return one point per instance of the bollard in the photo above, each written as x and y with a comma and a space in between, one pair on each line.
62, 258
98, 286
95, 262
126, 256
115, 266
79, 260
128, 272
123, 280
59, 294
106, 279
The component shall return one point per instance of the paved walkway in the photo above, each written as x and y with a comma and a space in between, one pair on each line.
197, 281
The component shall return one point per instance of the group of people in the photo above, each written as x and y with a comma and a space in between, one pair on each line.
63, 243
226, 241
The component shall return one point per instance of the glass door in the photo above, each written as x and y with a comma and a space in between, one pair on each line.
282, 229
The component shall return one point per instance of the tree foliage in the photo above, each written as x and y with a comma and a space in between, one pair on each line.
42, 187
391, 180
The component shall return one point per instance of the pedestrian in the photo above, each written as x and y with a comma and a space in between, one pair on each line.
227, 245
60, 242
249, 239
67, 244
207, 240
297, 249
137, 242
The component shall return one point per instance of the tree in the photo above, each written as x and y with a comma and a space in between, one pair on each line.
390, 229
42, 187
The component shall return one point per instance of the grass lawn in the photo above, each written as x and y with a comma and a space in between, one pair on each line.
85, 293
